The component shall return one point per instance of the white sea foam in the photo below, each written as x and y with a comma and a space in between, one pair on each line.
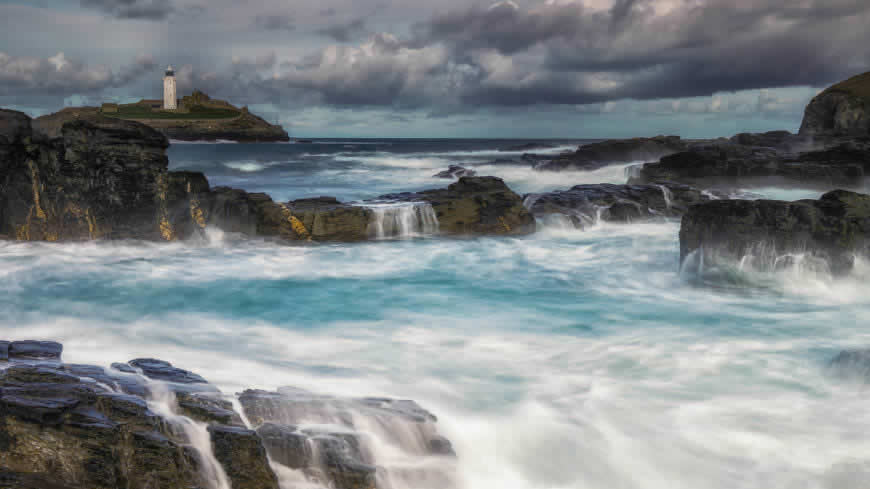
568, 359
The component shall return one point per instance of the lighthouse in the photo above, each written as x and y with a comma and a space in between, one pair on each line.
170, 102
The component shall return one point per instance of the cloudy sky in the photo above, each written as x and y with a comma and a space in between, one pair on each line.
446, 68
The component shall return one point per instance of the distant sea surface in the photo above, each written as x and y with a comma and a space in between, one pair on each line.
565, 359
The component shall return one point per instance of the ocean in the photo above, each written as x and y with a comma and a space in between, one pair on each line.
582, 359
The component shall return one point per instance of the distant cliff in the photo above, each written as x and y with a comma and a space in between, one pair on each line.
841, 110
199, 118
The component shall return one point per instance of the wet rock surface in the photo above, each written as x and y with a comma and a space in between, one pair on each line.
597, 155
474, 206
140, 425
589, 204
772, 233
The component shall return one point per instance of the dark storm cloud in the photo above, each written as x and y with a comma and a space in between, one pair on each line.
541, 53
133, 9
346, 32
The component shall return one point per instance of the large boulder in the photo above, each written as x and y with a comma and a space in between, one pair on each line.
587, 204
841, 110
831, 230
597, 155
80, 176
474, 206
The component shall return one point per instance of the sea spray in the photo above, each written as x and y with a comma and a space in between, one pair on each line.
402, 220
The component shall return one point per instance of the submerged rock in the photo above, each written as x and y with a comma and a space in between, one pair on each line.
832, 229
474, 206
853, 364
587, 204
598, 155
454, 172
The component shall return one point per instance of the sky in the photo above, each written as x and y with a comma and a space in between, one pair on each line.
446, 68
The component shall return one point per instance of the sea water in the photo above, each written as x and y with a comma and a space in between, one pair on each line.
564, 359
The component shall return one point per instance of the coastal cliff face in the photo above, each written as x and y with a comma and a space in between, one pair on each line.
79, 175
90, 178
841, 110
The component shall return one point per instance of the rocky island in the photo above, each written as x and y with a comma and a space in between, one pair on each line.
199, 117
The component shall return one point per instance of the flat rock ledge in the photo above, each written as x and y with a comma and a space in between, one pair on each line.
584, 205
141, 425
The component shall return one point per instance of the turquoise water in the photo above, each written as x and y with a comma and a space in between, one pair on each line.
565, 359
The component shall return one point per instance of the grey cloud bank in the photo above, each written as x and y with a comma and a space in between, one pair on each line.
580, 58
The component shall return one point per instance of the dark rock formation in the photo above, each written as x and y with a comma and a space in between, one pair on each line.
454, 172
843, 163
832, 229
474, 205
69, 426
841, 110
598, 155
92, 177
586, 204
161, 370
48, 350
240, 451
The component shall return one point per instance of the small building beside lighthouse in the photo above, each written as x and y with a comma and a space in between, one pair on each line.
170, 100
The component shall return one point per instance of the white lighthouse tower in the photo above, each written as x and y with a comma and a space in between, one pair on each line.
170, 102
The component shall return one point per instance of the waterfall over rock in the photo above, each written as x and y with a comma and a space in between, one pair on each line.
402, 220
355, 443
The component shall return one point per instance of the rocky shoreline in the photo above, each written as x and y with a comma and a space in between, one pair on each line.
85, 176
79, 175
147, 424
